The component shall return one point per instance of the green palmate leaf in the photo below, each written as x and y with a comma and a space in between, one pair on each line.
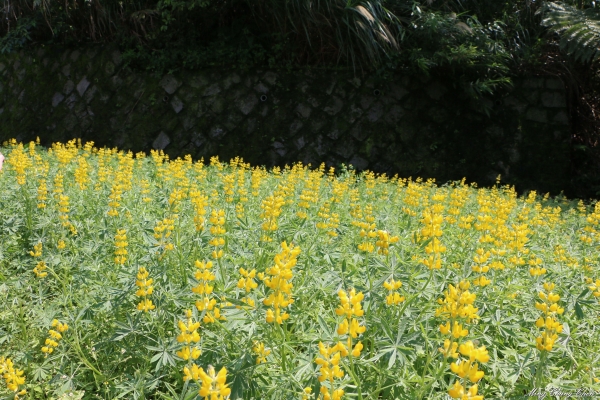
579, 29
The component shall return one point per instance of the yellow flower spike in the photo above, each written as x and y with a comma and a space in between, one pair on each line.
40, 269
261, 352
280, 274
52, 342
12, 377
213, 385
145, 289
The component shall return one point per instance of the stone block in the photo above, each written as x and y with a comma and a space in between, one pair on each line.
161, 141
169, 83
115, 82
188, 122
66, 70
554, 84
187, 95
198, 139
212, 90
554, 99
68, 87
394, 114
358, 163
334, 134
176, 104
279, 148
314, 102
300, 142
82, 86
302, 110
217, 132
198, 82
261, 88
398, 92
359, 132
344, 148
561, 118
329, 90
532, 97
230, 80
250, 81
536, 115
295, 126
250, 125
533, 83
247, 103
233, 120
85, 123
218, 105
70, 122
321, 146
515, 104
270, 77
354, 113
375, 112
57, 99
334, 106
366, 101
71, 100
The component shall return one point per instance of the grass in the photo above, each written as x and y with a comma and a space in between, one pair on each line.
293, 283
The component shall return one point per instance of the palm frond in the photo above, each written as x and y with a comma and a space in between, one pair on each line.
579, 29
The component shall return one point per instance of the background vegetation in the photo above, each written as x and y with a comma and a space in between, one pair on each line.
478, 45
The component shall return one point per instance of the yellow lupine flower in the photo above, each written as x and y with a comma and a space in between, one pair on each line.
247, 281
52, 342
551, 326
261, 352
457, 391
188, 335
145, 289
12, 377
213, 385
278, 281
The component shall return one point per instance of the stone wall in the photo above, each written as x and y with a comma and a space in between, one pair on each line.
413, 127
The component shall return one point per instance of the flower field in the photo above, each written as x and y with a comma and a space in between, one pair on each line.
135, 276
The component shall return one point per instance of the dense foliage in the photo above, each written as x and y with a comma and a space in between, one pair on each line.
471, 34
144, 277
